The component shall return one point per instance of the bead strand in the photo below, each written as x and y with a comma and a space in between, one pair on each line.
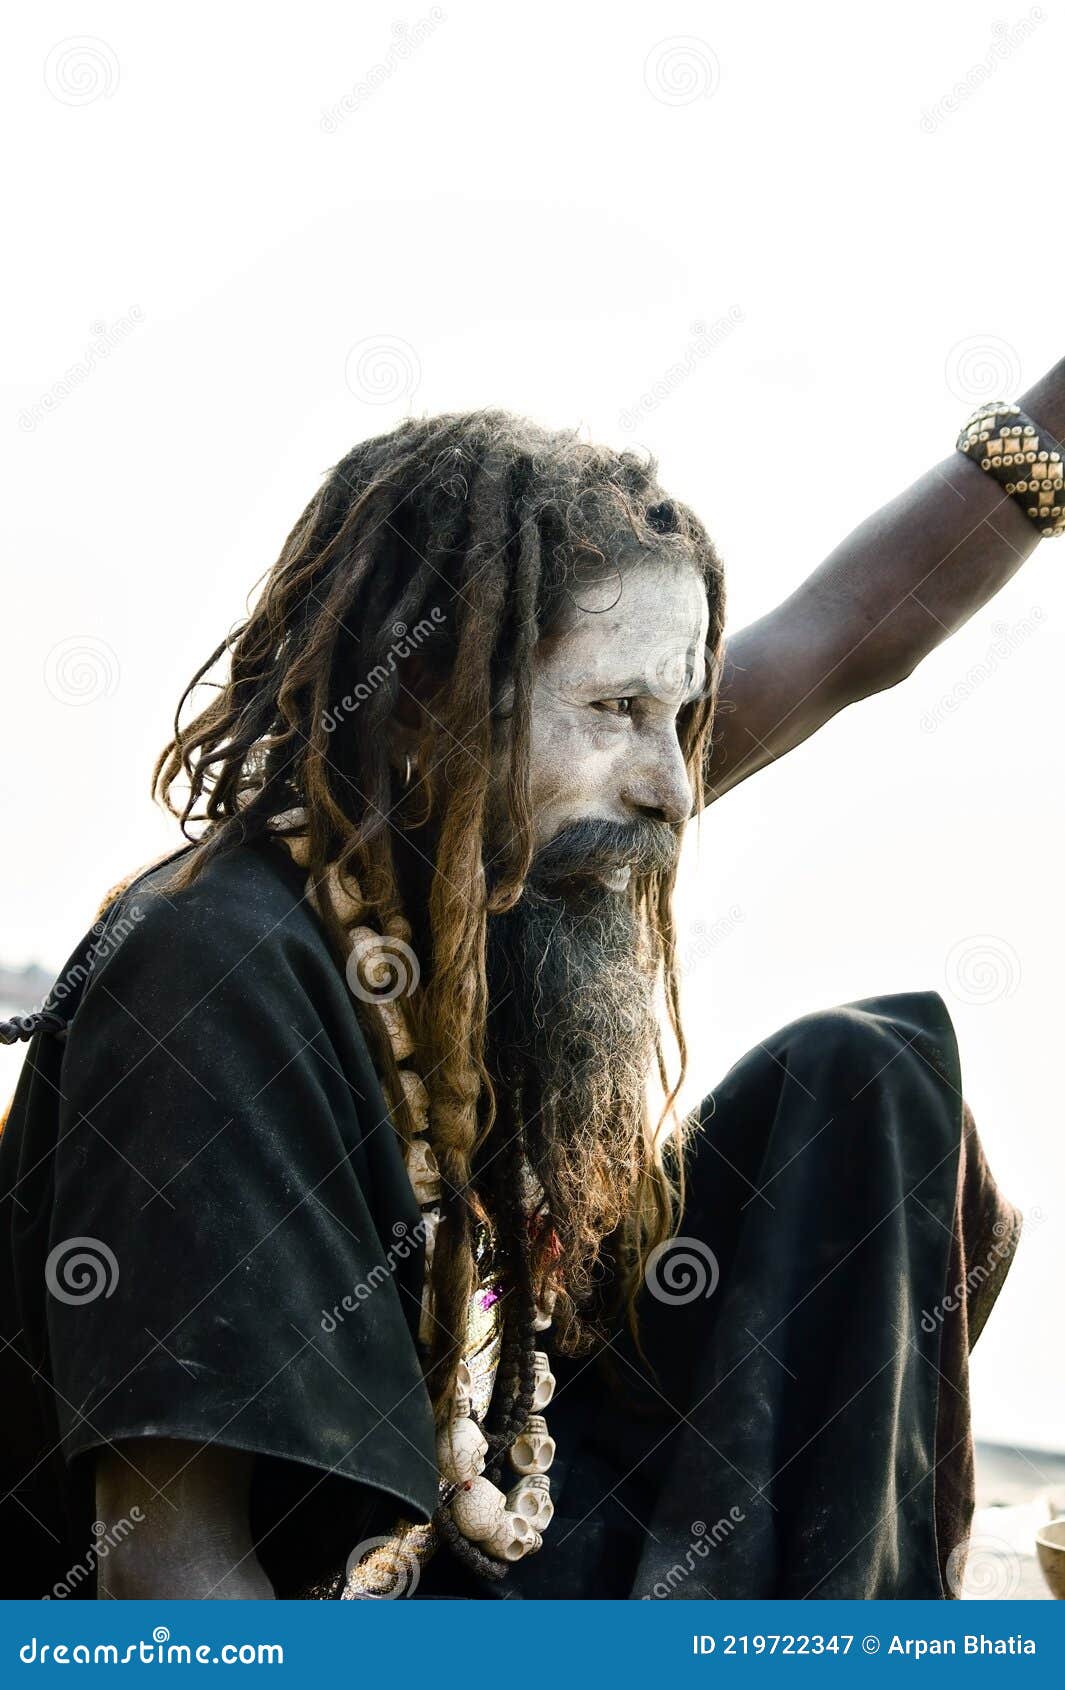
472, 1509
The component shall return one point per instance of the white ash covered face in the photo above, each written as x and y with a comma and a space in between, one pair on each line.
609, 687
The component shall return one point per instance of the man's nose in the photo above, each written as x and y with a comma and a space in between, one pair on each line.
657, 784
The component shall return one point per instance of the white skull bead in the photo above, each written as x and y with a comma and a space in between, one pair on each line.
461, 1448
513, 1538
423, 1171
544, 1386
531, 1498
478, 1509
532, 1450
417, 1098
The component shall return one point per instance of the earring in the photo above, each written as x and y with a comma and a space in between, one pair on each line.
408, 771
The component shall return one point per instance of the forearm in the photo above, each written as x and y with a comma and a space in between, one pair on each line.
899, 584
204, 1572
176, 1517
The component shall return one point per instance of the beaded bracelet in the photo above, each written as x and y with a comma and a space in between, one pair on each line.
1022, 457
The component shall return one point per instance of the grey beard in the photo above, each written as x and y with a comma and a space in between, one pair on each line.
572, 1037
568, 997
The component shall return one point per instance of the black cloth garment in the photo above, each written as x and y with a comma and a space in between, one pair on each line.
213, 1119
807, 1432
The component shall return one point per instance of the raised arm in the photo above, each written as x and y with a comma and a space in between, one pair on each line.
899, 584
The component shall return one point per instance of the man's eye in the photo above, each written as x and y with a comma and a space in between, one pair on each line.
614, 706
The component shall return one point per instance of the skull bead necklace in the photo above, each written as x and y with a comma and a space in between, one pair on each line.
489, 1528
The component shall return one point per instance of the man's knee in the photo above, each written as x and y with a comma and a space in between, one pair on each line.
848, 1047
828, 1055
856, 1096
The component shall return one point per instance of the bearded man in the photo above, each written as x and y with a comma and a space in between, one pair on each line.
344, 1253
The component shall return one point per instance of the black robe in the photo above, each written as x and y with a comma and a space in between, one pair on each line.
806, 1433
207, 1233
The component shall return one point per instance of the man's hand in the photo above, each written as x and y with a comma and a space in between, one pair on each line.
905, 579
180, 1515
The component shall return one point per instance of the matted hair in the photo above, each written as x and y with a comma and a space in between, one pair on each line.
477, 530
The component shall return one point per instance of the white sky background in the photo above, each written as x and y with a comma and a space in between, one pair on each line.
537, 209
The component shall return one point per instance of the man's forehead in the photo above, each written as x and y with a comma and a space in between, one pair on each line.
656, 615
